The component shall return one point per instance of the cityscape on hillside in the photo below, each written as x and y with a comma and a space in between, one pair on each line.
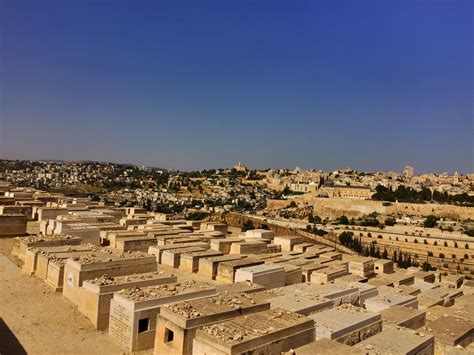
271, 177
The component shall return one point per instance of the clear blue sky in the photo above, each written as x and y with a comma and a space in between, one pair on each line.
370, 84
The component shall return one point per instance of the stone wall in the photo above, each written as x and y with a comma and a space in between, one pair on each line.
236, 220
335, 207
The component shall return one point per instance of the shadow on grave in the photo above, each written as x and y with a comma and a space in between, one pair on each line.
9, 344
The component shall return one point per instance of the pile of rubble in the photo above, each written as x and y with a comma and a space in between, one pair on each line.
184, 309
43, 238
226, 334
107, 280
137, 294
231, 333
313, 296
352, 309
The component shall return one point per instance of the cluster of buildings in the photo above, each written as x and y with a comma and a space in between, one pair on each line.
57, 175
349, 183
127, 185
154, 282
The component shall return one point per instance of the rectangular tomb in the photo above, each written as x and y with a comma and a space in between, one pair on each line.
383, 266
135, 244
347, 324
32, 255
158, 250
172, 257
301, 304
134, 312
260, 233
287, 242
389, 297
224, 245
226, 269
269, 332
208, 266
398, 340
190, 261
247, 248
270, 276
178, 323
360, 265
95, 295
332, 272
404, 317
23, 243
103, 262
293, 274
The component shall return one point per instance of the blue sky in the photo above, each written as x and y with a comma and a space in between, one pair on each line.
369, 84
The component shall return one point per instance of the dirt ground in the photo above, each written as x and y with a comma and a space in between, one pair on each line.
36, 320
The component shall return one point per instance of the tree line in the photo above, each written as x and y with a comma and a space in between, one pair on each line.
407, 194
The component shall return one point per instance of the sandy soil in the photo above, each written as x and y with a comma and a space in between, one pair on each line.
36, 320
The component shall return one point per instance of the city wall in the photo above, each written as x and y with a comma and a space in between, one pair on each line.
335, 207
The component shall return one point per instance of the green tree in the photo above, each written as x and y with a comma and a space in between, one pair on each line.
248, 225
314, 219
430, 221
343, 220
390, 221
426, 266
469, 232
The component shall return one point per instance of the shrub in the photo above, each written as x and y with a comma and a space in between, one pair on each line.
469, 232
248, 225
314, 219
343, 220
390, 221
426, 266
430, 221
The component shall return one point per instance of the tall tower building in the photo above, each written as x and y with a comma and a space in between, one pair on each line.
408, 171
